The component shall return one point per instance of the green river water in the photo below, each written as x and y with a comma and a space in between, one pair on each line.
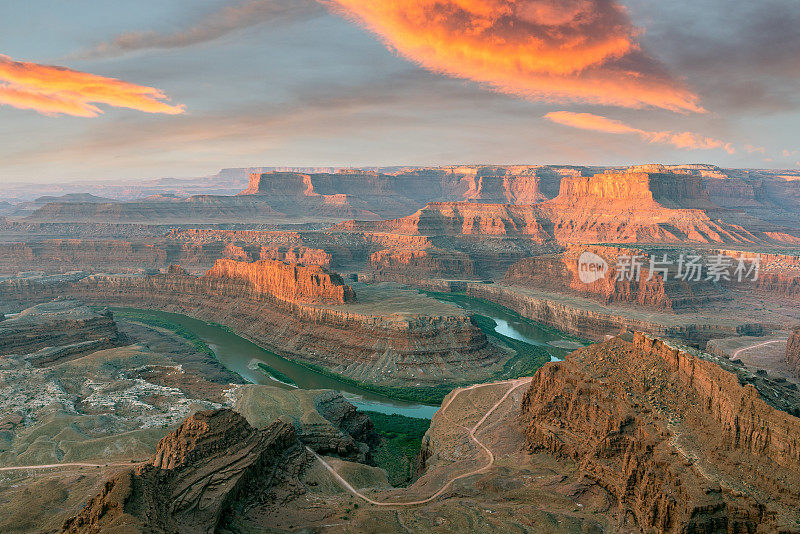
242, 356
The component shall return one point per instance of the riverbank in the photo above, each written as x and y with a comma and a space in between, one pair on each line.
531, 344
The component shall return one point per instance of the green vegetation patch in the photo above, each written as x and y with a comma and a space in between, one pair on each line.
277, 375
400, 445
431, 395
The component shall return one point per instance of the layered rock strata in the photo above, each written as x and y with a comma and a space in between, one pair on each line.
660, 290
651, 205
592, 320
308, 284
57, 330
793, 351
677, 440
201, 473
389, 349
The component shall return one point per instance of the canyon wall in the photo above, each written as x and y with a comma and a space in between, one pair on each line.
401, 347
629, 207
309, 284
593, 321
793, 351
657, 290
666, 433
412, 265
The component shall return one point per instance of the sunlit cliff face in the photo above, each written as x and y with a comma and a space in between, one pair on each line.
55, 90
550, 50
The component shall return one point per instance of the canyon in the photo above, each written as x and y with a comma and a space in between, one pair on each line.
419, 284
390, 336
630, 435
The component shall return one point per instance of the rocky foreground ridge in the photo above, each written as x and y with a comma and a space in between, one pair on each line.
677, 440
212, 464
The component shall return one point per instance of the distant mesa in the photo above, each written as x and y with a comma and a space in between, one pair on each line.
642, 187
650, 204
334, 196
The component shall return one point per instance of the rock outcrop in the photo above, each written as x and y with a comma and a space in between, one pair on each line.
412, 265
591, 320
793, 351
63, 328
307, 284
660, 290
674, 437
212, 465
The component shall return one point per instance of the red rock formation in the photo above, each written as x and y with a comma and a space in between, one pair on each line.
592, 321
401, 264
643, 186
214, 462
793, 351
309, 284
462, 218
559, 272
645, 205
299, 254
679, 442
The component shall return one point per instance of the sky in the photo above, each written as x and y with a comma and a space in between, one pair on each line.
181, 88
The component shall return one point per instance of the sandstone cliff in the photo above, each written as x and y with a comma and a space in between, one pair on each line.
592, 320
793, 351
675, 438
629, 207
308, 284
212, 465
560, 272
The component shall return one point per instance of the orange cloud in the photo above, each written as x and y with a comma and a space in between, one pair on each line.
550, 50
52, 90
598, 123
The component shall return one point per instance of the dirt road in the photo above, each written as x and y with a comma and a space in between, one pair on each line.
514, 384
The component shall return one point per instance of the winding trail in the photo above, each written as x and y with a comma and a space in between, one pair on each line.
52, 466
515, 384
735, 354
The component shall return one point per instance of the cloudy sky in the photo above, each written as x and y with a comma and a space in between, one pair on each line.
126, 90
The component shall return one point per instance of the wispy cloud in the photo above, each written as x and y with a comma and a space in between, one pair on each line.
216, 25
53, 90
548, 50
598, 123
